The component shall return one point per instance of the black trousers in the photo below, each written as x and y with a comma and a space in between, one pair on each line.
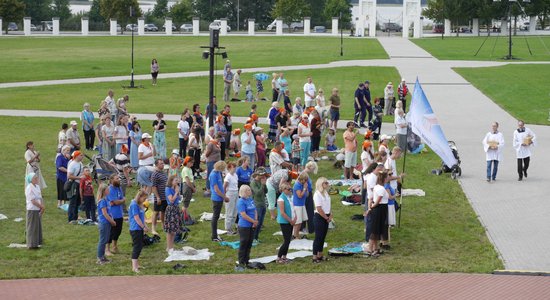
183, 148
315, 141
245, 234
310, 209
196, 155
523, 165
217, 208
404, 101
116, 230
275, 95
287, 237
137, 243
74, 204
223, 145
321, 229
89, 138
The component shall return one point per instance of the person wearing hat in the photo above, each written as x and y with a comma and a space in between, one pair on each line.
367, 156
175, 162
383, 146
146, 151
248, 144
389, 97
402, 91
73, 137
235, 142
74, 172
35, 210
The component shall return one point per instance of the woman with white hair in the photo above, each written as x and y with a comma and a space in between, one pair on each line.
248, 221
272, 116
35, 210
61, 164
388, 99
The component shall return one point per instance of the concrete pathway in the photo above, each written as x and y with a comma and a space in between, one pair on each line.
282, 286
514, 213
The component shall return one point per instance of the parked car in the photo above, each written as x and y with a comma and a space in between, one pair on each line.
296, 26
438, 28
12, 26
462, 29
217, 24
174, 28
186, 28
319, 29
387, 27
47, 25
33, 27
151, 27
131, 27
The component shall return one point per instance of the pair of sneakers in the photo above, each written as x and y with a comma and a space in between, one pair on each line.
103, 260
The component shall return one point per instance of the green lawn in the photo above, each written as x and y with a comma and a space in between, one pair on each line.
521, 90
495, 48
35, 58
439, 232
172, 95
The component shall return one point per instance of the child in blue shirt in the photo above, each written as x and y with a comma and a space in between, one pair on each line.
244, 172
136, 219
105, 221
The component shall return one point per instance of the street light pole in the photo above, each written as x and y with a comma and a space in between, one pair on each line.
341, 35
214, 44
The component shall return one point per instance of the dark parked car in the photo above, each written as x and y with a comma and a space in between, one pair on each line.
387, 27
12, 26
151, 27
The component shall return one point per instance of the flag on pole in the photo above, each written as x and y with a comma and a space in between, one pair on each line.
424, 123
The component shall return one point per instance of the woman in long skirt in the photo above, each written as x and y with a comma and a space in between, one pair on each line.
35, 210
159, 137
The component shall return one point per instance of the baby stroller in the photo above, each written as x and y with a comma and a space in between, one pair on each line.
100, 168
455, 170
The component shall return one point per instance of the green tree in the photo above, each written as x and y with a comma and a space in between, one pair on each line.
11, 11
120, 10
291, 10
95, 14
317, 8
333, 8
539, 8
38, 10
210, 10
60, 9
160, 10
181, 12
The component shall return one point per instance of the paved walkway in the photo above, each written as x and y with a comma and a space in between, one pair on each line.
282, 286
514, 213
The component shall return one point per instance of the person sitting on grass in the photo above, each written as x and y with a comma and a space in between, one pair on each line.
330, 140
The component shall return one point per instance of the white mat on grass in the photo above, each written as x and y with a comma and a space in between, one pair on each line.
178, 255
303, 244
272, 258
14, 245
18, 219
3, 217
206, 216
345, 182
413, 192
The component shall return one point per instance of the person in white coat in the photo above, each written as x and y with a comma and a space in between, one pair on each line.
524, 140
493, 144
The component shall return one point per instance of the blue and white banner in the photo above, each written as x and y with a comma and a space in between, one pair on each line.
424, 123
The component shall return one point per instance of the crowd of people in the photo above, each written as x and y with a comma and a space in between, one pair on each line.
248, 172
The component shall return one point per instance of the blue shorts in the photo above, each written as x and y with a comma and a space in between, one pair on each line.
334, 114
144, 176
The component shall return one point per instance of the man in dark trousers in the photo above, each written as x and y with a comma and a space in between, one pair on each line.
360, 106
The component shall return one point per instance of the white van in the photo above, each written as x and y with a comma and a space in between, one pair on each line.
217, 24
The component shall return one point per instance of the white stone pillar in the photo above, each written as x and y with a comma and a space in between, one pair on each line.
307, 26
475, 26
55, 22
335, 26
447, 27
504, 27
1, 26
532, 24
251, 26
417, 27
279, 29
141, 26
405, 31
371, 19
168, 26
84, 24
27, 26
196, 26
113, 27
223, 25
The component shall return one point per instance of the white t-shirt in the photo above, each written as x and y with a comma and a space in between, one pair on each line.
391, 165
75, 168
111, 105
232, 182
73, 135
380, 191
32, 192
61, 139
275, 161
309, 88
400, 121
183, 126
323, 201
305, 129
365, 160
121, 134
149, 161
371, 182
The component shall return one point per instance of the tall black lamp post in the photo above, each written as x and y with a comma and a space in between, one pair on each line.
509, 3
214, 44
